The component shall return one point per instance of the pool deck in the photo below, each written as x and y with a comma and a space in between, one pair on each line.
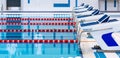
88, 52
86, 47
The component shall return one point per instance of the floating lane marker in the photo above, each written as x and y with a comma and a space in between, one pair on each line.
40, 23
38, 30
33, 19
38, 41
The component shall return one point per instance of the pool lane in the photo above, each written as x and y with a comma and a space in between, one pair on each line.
12, 34
60, 49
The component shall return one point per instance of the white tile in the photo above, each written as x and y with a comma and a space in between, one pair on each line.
111, 55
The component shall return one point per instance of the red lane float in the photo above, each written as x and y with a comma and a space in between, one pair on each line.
49, 19
38, 41
38, 30
40, 23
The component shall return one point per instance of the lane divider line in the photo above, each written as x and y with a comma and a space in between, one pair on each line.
33, 19
37, 30
40, 23
38, 41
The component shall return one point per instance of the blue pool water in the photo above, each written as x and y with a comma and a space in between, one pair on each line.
118, 53
99, 55
35, 50
39, 50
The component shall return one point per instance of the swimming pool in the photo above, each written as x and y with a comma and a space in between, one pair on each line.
38, 50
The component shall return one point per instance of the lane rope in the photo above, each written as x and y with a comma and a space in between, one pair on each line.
39, 23
37, 30
38, 41
33, 19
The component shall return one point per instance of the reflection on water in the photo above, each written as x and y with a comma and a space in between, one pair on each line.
11, 48
38, 46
